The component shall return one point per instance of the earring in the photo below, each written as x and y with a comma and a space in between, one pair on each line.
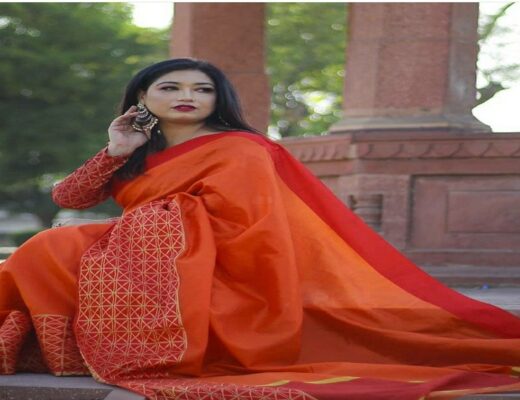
145, 120
223, 120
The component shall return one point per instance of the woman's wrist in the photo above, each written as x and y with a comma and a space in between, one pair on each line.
114, 150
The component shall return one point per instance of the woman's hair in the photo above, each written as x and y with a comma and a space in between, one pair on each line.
227, 115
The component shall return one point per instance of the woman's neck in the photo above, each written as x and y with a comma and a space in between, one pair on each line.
178, 133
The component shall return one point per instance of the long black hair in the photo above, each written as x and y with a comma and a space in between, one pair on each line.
227, 115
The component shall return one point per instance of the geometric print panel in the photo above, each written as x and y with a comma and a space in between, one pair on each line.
88, 185
13, 331
58, 344
31, 359
128, 321
191, 389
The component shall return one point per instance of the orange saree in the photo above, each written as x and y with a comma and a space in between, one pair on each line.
235, 273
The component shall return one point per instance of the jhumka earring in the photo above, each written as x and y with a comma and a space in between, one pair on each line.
145, 120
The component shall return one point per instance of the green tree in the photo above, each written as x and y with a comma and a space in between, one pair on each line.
494, 74
63, 71
305, 58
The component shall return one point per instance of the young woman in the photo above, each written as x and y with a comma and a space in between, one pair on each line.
233, 273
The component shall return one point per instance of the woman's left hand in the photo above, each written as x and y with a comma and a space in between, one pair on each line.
124, 139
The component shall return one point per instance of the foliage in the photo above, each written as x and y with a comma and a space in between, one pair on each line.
64, 67
19, 238
306, 57
493, 73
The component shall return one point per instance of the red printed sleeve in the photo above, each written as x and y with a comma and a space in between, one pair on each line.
89, 184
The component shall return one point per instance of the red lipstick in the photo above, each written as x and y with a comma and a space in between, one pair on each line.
184, 108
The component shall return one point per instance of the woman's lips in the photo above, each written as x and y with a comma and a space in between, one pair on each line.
184, 108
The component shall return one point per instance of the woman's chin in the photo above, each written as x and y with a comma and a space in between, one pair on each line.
182, 119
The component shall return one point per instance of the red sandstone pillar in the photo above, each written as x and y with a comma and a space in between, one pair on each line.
411, 66
231, 36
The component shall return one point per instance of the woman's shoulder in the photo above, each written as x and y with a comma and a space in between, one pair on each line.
239, 140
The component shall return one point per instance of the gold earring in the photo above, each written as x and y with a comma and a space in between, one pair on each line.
145, 120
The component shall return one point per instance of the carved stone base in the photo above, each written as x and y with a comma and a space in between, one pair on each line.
448, 122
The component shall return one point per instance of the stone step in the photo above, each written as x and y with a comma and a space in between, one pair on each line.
475, 276
48, 387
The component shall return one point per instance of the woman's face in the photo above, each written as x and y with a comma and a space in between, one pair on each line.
192, 89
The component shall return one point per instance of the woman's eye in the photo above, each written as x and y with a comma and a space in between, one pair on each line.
200, 90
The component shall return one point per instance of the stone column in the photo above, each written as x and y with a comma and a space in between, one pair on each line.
411, 66
231, 36
409, 158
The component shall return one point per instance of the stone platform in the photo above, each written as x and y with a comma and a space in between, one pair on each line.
47, 387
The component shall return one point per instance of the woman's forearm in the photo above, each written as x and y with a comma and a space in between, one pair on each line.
89, 185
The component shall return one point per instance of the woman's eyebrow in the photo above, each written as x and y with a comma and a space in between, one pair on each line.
196, 83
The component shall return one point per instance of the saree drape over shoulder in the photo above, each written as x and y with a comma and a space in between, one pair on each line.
235, 273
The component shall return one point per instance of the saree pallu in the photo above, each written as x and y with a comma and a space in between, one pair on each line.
234, 273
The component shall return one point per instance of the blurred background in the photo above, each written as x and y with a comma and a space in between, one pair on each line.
64, 67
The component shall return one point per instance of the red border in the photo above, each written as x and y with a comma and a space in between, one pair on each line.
158, 158
373, 388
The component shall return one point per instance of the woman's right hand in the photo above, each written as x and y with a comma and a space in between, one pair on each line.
124, 139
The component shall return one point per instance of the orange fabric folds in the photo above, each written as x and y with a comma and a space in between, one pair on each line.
234, 272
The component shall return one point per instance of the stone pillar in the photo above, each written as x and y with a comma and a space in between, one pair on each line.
409, 158
411, 66
231, 36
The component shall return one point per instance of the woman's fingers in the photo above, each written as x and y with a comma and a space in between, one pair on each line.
129, 115
131, 109
122, 124
125, 119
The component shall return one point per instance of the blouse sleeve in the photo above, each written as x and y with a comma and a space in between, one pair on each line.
89, 185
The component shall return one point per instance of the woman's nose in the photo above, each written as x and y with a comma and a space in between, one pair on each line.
186, 94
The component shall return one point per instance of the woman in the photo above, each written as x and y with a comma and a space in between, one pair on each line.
233, 273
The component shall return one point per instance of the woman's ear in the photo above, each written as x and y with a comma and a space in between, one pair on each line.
141, 96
